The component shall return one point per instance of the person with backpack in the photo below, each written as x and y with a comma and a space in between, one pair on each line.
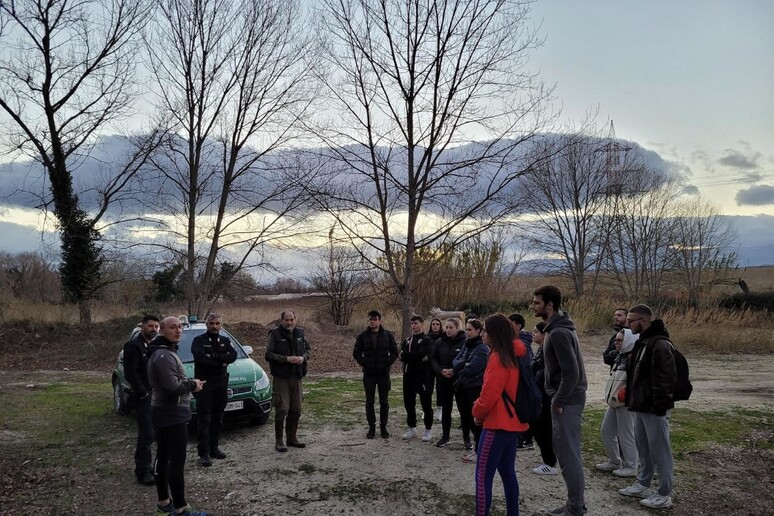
469, 366
650, 388
618, 423
541, 428
501, 428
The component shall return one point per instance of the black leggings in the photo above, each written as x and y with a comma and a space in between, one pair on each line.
170, 460
542, 433
466, 397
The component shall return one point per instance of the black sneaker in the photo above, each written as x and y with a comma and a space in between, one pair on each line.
146, 479
165, 510
525, 445
443, 441
384, 432
217, 454
190, 512
468, 444
371, 433
205, 461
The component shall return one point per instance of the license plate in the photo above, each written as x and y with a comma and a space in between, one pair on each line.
235, 405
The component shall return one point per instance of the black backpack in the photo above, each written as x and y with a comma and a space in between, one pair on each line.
529, 399
683, 387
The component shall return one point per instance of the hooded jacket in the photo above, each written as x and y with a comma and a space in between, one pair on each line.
565, 375
375, 351
171, 398
444, 351
652, 374
470, 362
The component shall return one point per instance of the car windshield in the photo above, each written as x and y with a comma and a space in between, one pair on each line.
184, 349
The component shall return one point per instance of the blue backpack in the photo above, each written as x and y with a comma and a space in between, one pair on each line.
529, 399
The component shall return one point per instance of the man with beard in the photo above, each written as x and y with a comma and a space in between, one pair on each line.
619, 323
651, 379
136, 371
287, 353
170, 411
212, 353
565, 383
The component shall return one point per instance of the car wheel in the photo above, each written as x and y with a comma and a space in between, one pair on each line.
120, 403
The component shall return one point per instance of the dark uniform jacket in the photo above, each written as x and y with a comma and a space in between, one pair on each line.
470, 362
375, 351
212, 354
136, 366
445, 350
171, 399
652, 375
283, 344
415, 354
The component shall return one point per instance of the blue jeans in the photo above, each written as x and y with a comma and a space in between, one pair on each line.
651, 433
497, 452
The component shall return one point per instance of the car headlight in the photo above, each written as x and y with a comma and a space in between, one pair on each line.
262, 382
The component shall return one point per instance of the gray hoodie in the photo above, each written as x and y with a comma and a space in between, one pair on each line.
565, 375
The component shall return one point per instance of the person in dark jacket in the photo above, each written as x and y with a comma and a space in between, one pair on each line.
287, 353
525, 438
469, 366
136, 372
619, 323
651, 378
212, 353
542, 429
445, 350
435, 333
375, 351
565, 382
415, 355
170, 412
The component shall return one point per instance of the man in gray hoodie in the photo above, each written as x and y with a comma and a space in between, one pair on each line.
565, 383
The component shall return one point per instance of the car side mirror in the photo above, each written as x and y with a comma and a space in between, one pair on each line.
248, 349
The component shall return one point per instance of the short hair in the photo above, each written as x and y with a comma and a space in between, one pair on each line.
619, 309
550, 294
282, 314
213, 316
642, 310
541, 327
417, 318
375, 313
150, 318
518, 319
455, 321
476, 323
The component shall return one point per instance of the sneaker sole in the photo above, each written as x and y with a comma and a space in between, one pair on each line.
638, 495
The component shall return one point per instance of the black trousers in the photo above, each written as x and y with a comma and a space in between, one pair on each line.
371, 383
170, 462
445, 393
413, 386
143, 462
210, 404
542, 432
466, 397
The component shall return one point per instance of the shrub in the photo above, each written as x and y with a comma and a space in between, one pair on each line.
752, 301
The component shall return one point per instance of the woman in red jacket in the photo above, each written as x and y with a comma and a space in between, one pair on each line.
497, 445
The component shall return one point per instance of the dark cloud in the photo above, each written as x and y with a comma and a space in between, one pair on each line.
760, 195
690, 190
741, 160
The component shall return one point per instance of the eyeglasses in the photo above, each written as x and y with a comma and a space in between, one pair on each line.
634, 320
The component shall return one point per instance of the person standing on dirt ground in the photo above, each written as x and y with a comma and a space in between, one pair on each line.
469, 366
376, 350
170, 412
619, 323
525, 438
212, 353
542, 429
136, 371
415, 355
287, 353
444, 351
565, 382
435, 333
651, 379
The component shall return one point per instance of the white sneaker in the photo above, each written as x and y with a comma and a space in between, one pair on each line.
625, 472
657, 501
636, 490
438, 414
545, 469
427, 435
410, 433
607, 466
470, 456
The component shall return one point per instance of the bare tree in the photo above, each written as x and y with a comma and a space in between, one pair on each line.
66, 72
433, 104
233, 80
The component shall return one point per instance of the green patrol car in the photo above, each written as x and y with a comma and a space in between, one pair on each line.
249, 389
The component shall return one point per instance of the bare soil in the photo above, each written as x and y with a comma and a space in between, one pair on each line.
340, 472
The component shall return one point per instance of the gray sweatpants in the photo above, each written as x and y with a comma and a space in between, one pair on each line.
651, 432
618, 431
567, 445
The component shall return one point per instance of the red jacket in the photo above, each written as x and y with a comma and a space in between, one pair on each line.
490, 406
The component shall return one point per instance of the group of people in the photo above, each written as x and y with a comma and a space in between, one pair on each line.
474, 366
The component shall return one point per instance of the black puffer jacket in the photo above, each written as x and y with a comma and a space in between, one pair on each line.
470, 362
375, 355
136, 366
444, 351
652, 375
539, 369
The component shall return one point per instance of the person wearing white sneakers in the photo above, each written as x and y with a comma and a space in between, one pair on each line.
542, 428
650, 387
435, 333
415, 355
618, 424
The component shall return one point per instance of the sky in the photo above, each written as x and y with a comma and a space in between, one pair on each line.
689, 79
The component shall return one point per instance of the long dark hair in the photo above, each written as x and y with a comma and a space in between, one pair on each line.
501, 333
